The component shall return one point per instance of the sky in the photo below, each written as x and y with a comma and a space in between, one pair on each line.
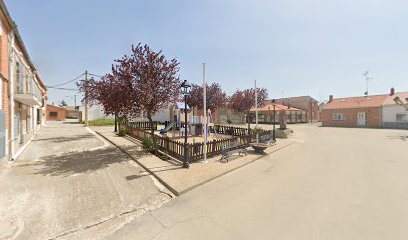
291, 47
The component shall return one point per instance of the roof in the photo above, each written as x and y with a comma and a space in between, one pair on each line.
52, 106
296, 99
356, 102
278, 107
390, 99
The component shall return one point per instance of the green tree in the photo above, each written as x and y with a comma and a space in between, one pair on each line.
63, 103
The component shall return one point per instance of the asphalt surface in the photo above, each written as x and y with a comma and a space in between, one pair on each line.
71, 184
334, 183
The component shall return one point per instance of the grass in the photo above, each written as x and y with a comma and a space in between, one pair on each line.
101, 122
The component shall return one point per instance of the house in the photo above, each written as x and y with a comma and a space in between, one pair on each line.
72, 112
55, 113
266, 114
366, 111
394, 115
23, 94
305, 103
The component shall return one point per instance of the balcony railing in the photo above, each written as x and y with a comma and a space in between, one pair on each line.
28, 92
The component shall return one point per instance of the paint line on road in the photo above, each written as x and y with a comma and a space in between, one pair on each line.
105, 143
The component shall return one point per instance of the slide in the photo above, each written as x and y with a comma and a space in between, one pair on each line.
166, 129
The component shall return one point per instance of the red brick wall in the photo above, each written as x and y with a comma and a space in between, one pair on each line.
373, 116
60, 113
4, 96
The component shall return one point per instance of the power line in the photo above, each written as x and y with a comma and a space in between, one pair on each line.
66, 82
95, 75
68, 89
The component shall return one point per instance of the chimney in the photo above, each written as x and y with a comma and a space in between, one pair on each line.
330, 98
392, 91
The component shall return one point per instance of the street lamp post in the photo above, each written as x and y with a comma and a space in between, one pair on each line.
274, 119
185, 87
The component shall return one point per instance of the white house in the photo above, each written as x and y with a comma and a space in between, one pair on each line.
393, 114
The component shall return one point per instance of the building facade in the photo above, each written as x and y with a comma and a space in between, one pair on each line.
23, 92
377, 111
267, 115
54, 113
305, 103
395, 115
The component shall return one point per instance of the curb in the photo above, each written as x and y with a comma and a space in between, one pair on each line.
233, 169
176, 193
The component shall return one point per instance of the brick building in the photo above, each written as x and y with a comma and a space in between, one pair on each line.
266, 114
365, 111
306, 103
54, 113
22, 93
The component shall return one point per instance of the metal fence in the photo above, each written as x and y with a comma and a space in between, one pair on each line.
195, 150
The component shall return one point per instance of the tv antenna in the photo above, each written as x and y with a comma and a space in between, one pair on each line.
367, 79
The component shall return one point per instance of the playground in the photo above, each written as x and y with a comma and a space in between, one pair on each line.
176, 129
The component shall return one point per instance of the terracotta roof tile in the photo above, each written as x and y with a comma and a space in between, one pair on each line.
278, 107
390, 99
356, 102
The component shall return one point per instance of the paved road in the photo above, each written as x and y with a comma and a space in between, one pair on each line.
335, 183
69, 184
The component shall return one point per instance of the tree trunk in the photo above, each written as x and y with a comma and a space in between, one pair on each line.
116, 123
249, 123
152, 130
119, 119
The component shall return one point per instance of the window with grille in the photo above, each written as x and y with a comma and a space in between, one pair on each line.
53, 114
401, 117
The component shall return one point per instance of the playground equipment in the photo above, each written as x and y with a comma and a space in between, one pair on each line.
194, 127
167, 128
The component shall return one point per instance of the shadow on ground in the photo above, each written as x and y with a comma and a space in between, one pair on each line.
78, 162
403, 138
65, 139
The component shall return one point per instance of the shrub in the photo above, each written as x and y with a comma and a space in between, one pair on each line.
149, 145
229, 121
122, 131
101, 122
257, 130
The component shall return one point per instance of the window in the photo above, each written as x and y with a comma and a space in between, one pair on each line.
53, 114
339, 116
401, 117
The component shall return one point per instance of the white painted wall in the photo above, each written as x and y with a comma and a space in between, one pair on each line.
161, 116
390, 113
95, 112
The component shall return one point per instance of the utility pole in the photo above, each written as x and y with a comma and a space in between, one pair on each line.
205, 114
366, 78
256, 112
75, 101
86, 99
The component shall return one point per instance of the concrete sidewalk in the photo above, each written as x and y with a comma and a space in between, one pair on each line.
171, 173
70, 183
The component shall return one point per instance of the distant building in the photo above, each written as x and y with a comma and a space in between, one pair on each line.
95, 112
394, 115
55, 113
72, 112
266, 114
366, 111
306, 103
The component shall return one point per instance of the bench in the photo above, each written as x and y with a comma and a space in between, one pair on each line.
267, 139
229, 150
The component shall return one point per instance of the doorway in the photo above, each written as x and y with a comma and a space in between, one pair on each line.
361, 119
